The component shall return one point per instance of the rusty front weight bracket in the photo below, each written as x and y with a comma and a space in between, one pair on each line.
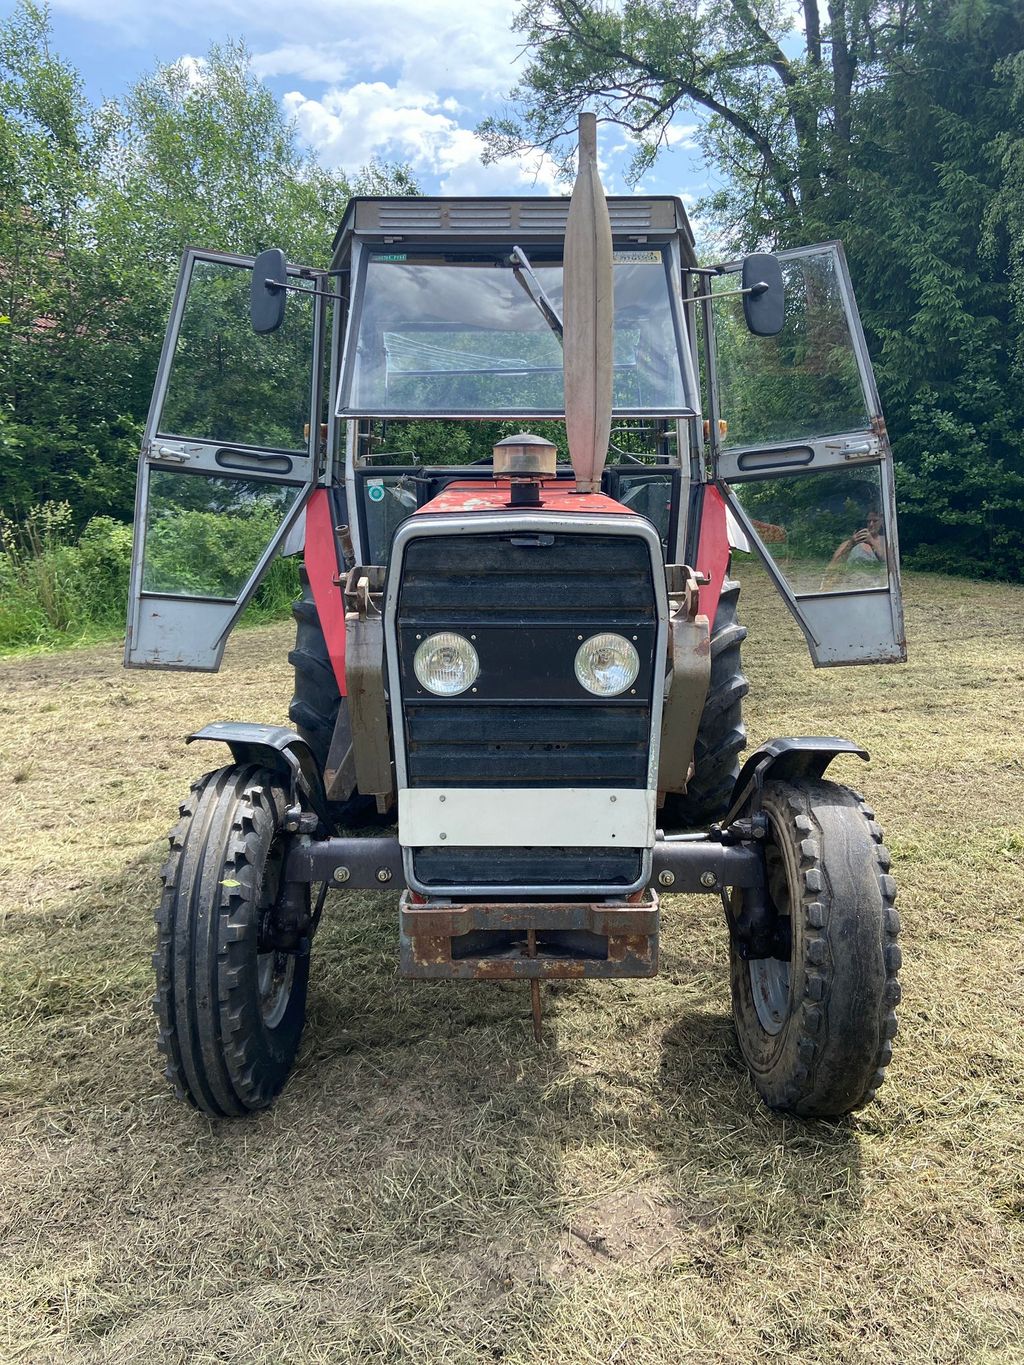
529, 940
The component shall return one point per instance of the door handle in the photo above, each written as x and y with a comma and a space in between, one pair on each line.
853, 450
170, 455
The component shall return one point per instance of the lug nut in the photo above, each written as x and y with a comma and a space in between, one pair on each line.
708, 879
667, 878
383, 874
341, 874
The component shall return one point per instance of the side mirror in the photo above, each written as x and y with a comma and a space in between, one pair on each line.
268, 291
764, 308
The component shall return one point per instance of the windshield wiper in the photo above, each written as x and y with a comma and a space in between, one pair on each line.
523, 271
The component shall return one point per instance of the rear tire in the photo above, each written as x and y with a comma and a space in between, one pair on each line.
722, 736
816, 1030
230, 1013
317, 701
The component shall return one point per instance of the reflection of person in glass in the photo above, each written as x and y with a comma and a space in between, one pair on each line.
866, 546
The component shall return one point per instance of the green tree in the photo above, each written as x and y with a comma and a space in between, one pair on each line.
897, 127
934, 225
96, 207
200, 153
62, 398
774, 87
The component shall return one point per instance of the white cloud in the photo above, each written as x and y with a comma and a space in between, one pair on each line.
324, 63
400, 79
682, 134
347, 126
442, 44
194, 69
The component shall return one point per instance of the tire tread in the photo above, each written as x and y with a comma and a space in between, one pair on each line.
205, 945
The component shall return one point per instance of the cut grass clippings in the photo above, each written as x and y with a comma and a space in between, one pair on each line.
432, 1186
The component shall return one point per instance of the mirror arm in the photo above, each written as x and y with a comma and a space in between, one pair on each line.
275, 286
757, 288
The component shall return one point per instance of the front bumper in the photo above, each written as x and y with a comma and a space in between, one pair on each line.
517, 939
699, 864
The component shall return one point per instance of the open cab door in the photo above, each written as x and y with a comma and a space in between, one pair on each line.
229, 458
802, 457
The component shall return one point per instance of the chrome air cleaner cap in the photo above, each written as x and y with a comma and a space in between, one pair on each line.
525, 457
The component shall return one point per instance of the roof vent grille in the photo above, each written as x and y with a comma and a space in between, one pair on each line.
405, 217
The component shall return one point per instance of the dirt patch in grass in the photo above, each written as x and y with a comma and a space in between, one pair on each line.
432, 1187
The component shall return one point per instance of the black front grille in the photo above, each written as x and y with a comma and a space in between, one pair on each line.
527, 599
441, 867
499, 744
526, 578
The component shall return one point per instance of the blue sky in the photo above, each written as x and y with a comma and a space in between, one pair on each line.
395, 79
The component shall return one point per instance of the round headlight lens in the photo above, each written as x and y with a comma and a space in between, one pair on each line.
446, 664
607, 664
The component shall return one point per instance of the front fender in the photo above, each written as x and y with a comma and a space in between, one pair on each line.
793, 756
275, 747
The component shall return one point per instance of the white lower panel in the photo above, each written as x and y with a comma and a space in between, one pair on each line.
539, 817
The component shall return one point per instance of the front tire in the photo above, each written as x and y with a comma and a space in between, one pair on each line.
816, 1029
230, 1010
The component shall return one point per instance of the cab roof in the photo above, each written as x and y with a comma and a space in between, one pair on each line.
422, 218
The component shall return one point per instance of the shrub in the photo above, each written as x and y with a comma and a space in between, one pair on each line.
56, 588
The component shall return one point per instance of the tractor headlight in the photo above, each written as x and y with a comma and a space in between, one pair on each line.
446, 664
607, 664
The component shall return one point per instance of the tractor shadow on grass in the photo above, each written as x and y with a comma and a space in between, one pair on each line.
535, 1174
761, 1180
436, 1128
429, 1175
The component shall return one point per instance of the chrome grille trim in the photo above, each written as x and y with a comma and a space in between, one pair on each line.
554, 523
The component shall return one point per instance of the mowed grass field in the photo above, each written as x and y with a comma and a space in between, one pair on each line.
433, 1186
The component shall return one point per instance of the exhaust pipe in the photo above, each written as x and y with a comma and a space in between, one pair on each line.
588, 308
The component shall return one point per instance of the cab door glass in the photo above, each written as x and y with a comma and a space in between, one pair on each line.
799, 384
226, 383
230, 454
206, 534
826, 532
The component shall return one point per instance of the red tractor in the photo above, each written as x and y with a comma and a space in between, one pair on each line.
517, 676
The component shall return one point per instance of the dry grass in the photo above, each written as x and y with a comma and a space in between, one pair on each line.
432, 1187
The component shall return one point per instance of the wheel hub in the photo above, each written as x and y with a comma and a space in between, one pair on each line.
769, 972
769, 985
275, 974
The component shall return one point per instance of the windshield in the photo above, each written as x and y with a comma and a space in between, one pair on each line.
458, 335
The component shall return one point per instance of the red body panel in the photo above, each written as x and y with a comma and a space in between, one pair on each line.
321, 558
477, 495
712, 550
557, 495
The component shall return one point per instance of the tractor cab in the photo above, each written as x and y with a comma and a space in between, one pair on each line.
464, 326
522, 446
436, 331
